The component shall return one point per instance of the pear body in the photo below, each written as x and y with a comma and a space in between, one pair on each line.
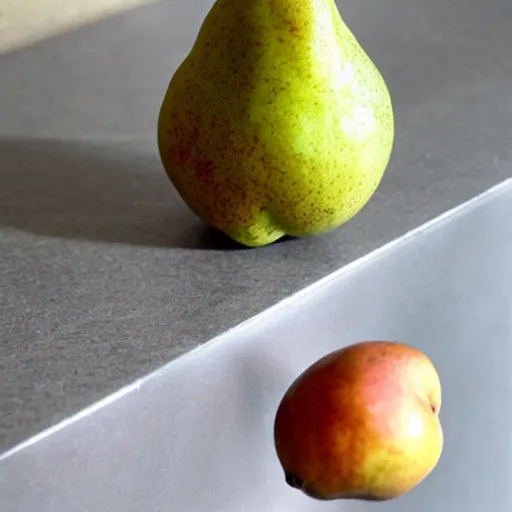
362, 422
277, 122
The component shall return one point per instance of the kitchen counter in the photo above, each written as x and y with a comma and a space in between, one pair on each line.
106, 275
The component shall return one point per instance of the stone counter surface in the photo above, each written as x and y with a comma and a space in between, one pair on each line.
106, 275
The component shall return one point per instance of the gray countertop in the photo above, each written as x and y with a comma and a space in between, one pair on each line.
105, 274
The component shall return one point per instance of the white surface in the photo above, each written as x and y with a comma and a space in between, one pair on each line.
197, 435
24, 22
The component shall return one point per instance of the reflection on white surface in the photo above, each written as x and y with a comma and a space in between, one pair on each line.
197, 435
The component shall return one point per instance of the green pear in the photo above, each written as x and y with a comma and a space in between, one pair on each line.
277, 122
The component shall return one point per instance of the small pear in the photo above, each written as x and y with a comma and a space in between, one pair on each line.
277, 122
361, 423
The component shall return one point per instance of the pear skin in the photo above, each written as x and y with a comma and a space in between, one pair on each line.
361, 423
277, 122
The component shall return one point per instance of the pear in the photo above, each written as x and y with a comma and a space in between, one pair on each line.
277, 122
361, 423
